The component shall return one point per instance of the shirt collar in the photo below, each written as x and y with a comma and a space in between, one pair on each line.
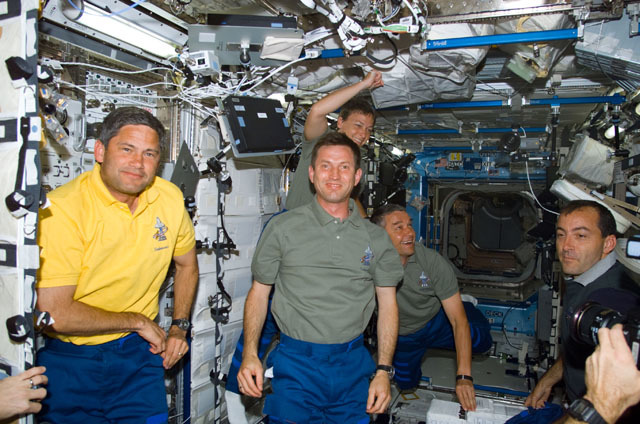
149, 195
325, 218
600, 267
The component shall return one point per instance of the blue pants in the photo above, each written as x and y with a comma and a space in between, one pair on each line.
437, 333
116, 382
319, 383
269, 331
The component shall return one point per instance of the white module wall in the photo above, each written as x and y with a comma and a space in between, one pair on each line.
20, 134
253, 198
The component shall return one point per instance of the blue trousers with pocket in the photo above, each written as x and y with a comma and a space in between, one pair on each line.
118, 382
269, 331
319, 383
437, 333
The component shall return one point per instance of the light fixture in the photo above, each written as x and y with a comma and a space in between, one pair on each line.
396, 151
611, 132
126, 31
279, 97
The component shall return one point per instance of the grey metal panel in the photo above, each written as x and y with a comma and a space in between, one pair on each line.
92, 45
545, 314
225, 41
608, 47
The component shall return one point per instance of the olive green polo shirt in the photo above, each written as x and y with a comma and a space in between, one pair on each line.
428, 280
325, 272
301, 191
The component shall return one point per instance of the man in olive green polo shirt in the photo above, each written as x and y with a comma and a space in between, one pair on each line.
328, 265
356, 120
431, 311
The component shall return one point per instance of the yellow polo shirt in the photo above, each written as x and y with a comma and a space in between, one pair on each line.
116, 260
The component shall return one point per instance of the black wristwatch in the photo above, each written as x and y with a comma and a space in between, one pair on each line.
388, 368
583, 410
182, 323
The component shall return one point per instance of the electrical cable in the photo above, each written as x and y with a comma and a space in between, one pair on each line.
413, 12
384, 61
526, 163
523, 131
393, 13
275, 71
504, 317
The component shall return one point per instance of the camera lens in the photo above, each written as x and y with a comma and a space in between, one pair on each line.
632, 334
589, 318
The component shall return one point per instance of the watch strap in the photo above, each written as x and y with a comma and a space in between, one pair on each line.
582, 409
181, 323
388, 368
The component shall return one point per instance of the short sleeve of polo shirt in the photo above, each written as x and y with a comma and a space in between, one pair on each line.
442, 274
186, 235
61, 248
268, 253
387, 268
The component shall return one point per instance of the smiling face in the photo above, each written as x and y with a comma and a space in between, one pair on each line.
358, 127
401, 233
579, 241
334, 174
129, 162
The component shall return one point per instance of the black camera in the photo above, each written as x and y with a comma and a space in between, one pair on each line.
591, 316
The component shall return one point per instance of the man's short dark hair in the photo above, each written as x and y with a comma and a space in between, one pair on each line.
359, 105
336, 139
130, 115
606, 222
379, 215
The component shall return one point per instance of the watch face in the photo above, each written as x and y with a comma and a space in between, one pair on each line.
182, 324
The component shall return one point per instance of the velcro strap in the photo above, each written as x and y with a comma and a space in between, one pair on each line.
19, 203
8, 255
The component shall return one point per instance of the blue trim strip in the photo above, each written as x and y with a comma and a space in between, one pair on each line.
428, 131
508, 130
616, 99
457, 105
500, 390
479, 130
488, 40
394, 108
331, 53
456, 149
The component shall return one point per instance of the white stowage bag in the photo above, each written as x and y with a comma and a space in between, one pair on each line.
589, 161
235, 408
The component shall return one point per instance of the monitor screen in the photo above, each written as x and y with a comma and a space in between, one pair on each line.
257, 126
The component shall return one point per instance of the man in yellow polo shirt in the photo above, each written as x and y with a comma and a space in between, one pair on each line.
107, 239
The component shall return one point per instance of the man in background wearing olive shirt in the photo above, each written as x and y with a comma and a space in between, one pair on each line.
356, 121
328, 265
431, 311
